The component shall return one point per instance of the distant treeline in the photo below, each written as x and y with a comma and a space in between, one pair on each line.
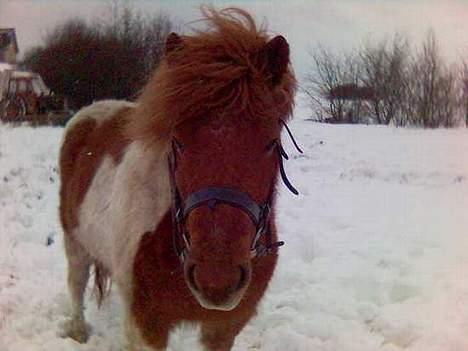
86, 61
388, 82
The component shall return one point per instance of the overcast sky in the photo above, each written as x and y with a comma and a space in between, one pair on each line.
339, 24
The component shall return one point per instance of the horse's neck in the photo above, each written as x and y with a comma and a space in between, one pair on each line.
144, 182
141, 199
148, 166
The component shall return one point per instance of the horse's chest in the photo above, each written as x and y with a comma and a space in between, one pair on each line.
120, 205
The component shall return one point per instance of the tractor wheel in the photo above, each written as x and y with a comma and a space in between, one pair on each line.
12, 110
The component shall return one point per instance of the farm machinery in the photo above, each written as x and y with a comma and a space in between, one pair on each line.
24, 94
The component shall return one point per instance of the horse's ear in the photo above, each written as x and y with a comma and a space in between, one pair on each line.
173, 42
277, 57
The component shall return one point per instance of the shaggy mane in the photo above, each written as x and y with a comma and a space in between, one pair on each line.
219, 70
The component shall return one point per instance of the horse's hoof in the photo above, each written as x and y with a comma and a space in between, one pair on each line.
78, 330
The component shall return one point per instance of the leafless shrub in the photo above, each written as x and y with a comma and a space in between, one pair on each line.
384, 71
463, 81
432, 96
332, 71
389, 83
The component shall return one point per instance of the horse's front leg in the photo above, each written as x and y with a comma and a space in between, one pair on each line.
220, 335
155, 339
79, 263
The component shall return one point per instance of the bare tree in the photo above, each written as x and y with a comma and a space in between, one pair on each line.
84, 61
384, 67
391, 83
426, 71
329, 72
448, 110
142, 35
463, 80
432, 95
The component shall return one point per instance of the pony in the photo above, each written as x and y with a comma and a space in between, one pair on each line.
172, 198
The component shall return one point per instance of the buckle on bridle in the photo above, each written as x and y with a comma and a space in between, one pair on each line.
265, 250
261, 225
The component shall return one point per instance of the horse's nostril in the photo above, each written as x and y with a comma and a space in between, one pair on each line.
244, 277
191, 277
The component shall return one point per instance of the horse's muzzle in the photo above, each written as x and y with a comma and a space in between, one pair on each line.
219, 288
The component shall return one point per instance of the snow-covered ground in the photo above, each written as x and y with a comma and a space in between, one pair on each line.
376, 254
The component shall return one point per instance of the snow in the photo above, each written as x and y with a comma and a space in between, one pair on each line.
375, 258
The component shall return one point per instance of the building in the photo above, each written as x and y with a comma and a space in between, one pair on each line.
350, 103
8, 45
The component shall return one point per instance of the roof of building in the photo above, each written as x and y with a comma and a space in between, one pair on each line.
6, 67
8, 36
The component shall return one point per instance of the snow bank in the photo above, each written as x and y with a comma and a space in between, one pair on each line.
375, 257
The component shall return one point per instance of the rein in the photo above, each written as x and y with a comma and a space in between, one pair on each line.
212, 196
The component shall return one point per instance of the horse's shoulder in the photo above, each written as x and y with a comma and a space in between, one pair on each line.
99, 112
95, 133
98, 127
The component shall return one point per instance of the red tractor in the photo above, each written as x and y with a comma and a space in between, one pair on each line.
23, 93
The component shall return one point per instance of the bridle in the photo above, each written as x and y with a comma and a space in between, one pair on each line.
212, 196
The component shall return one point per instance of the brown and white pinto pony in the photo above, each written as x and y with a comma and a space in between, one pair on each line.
207, 123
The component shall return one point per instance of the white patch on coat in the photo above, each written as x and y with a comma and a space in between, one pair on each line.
94, 216
124, 201
99, 111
